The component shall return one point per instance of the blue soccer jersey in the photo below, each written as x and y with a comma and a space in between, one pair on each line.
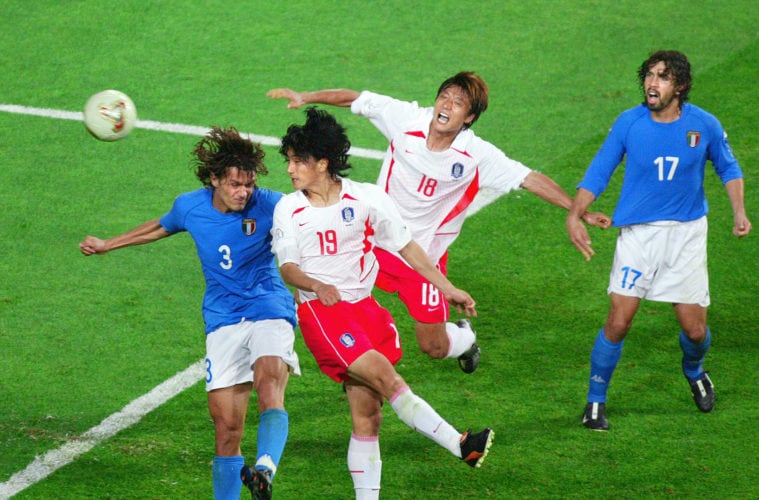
664, 164
242, 279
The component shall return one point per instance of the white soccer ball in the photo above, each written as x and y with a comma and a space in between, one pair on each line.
110, 115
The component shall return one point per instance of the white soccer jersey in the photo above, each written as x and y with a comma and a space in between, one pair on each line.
434, 189
334, 244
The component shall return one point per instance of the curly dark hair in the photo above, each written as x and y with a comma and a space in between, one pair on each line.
677, 66
225, 148
321, 137
474, 87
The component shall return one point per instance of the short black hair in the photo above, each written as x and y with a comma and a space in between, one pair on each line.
321, 137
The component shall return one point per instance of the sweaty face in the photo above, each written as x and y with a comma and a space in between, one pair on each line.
660, 87
232, 192
452, 110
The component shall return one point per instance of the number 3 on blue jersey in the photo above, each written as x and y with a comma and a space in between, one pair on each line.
226, 259
627, 272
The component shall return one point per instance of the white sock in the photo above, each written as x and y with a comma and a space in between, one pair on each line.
417, 414
365, 466
459, 339
266, 462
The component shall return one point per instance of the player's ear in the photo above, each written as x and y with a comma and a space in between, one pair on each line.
215, 181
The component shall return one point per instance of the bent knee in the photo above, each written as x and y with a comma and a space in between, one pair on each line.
696, 334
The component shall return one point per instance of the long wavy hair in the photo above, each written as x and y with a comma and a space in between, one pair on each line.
224, 148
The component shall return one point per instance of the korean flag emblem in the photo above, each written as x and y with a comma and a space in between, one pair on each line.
347, 340
693, 138
457, 170
248, 226
348, 214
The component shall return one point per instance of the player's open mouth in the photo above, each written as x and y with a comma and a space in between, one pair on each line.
443, 118
652, 96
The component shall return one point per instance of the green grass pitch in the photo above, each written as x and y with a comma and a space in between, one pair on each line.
81, 338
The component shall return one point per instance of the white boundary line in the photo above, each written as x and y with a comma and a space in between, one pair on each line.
48, 463
177, 128
484, 197
45, 465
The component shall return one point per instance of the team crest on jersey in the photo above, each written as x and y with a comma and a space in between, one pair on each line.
347, 340
693, 138
248, 226
457, 170
348, 214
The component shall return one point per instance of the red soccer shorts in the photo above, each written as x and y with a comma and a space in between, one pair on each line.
338, 335
423, 300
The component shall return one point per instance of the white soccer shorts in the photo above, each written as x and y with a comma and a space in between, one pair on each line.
663, 262
232, 350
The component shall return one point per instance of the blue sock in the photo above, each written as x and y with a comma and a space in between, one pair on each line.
603, 360
226, 477
693, 355
272, 434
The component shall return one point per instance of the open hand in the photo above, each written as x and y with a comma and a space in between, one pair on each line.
295, 99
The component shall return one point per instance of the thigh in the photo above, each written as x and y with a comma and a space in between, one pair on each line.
273, 356
270, 377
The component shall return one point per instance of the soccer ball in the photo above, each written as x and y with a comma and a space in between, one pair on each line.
110, 115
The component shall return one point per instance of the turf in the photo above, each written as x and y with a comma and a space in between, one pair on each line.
80, 338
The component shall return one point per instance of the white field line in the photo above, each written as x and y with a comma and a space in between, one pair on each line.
45, 465
177, 128
48, 463
484, 197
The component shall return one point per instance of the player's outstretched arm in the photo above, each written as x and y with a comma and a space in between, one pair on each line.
333, 97
418, 259
741, 224
546, 188
146, 232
